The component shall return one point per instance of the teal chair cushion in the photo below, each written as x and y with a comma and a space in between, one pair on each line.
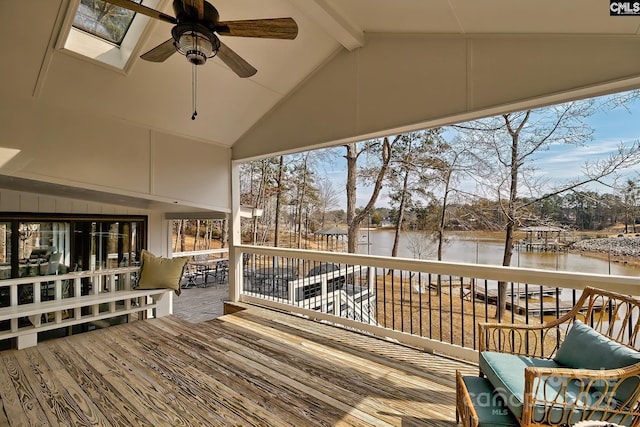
489, 406
506, 372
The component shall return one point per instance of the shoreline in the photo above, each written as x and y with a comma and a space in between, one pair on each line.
632, 261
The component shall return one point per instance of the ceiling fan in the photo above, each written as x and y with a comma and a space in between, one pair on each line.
197, 26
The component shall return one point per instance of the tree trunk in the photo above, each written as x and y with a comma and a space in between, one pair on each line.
511, 216
352, 231
443, 213
276, 238
354, 221
183, 236
197, 236
207, 234
178, 225
441, 224
398, 227
224, 233
301, 196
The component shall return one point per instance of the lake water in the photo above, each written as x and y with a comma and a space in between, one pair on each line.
485, 251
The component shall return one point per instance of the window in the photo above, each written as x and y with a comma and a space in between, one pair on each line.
5, 250
104, 20
103, 32
45, 245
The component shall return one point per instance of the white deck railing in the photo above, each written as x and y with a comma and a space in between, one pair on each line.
402, 295
31, 305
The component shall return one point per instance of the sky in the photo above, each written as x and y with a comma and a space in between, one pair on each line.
557, 164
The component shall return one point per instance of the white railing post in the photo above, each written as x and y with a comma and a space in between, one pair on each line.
371, 279
36, 289
164, 304
57, 290
292, 288
324, 293
27, 340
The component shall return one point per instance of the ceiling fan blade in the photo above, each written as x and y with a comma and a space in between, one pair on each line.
239, 66
127, 4
195, 8
276, 28
161, 52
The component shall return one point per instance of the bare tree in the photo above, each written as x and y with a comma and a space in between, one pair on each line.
327, 200
510, 143
630, 198
197, 236
421, 244
279, 193
354, 150
455, 161
413, 163
399, 180
224, 232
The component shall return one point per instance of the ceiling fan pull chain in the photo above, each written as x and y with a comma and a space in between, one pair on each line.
194, 89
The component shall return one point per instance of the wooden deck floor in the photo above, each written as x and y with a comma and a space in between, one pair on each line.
252, 368
197, 305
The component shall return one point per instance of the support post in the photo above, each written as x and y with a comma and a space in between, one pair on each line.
164, 304
235, 256
27, 340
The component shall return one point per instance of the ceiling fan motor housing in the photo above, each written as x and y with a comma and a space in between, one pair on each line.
196, 42
194, 38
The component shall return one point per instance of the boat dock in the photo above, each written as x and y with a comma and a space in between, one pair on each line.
544, 239
519, 291
522, 304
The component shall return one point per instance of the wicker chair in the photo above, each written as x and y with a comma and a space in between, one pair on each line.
555, 394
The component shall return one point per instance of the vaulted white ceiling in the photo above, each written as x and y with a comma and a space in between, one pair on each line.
358, 68
158, 96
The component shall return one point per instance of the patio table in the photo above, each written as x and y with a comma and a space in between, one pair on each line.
273, 281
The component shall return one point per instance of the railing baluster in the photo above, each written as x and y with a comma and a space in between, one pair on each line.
430, 306
473, 310
461, 296
393, 300
513, 310
401, 302
420, 303
526, 316
439, 287
451, 309
384, 296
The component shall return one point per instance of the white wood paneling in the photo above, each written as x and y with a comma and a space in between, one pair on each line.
63, 205
9, 201
112, 156
15, 201
402, 82
79, 207
191, 171
46, 204
29, 202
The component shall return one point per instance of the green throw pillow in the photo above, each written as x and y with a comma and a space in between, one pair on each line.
161, 273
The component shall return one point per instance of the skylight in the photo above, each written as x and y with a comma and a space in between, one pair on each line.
104, 33
104, 20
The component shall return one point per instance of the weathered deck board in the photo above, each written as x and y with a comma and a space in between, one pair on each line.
252, 368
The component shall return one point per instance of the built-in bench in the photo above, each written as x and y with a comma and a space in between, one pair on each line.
73, 299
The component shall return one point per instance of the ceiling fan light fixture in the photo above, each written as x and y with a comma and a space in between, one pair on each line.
196, 44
